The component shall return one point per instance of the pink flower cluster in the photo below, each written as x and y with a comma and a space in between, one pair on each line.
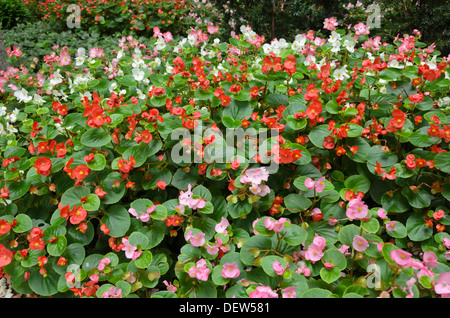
143, 216
314, 252
330, 24
131, 251
200, 270
256, 177
318, 185
186, 200
356, 209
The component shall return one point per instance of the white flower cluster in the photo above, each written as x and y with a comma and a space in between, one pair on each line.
10, 118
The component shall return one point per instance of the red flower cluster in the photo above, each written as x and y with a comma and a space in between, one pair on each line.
75, 215
94, 112
43, 166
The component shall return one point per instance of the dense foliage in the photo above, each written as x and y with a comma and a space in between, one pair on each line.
122, 175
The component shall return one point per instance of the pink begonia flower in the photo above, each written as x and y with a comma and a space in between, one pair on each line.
410, 282
446, 242
255, 176
289, 292
103, 263
320, 241
197, 203
212, 249
196, 240
442, 284
65, 58
253, 226
260, 189
309, 183
390, 225
344, 249
318, 185
143, 216
430, 259
330, 24
130, 250
402, 258
360, 243
279, 270
381, 214
314, 253
185, 197
275, 225
200, 270
113, 293
356, 209
170, 286
328, 265
212, 29
332, 221
222, 226
263, 292
230, 270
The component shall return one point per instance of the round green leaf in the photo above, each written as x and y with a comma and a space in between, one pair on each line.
98, 163
417, 228
95, 138
144, 260
117, 219
24, 223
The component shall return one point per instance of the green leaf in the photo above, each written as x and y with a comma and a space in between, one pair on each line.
117, 219
421, 199
335, 257
395, 203
144, 260
24, 223
347, 233
294, 235
98, 163
92, 202
138, 239
217, 277
95, 138
58, 247
330, 275
239, 209
357, 183
297, 202
73, 195
417, 228
316, 293
371, 226
317, 135
442, 161
43, 285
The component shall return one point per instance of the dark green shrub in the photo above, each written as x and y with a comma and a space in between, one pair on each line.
13, 12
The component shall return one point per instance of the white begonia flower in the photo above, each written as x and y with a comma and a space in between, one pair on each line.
79, 60
340, 73
2, 111
349, 45
336, 47
394, 63
57, 78
383, 90
138, 74
22, 95
10, 129
334, 37
38, 100
191, 39
2, 130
